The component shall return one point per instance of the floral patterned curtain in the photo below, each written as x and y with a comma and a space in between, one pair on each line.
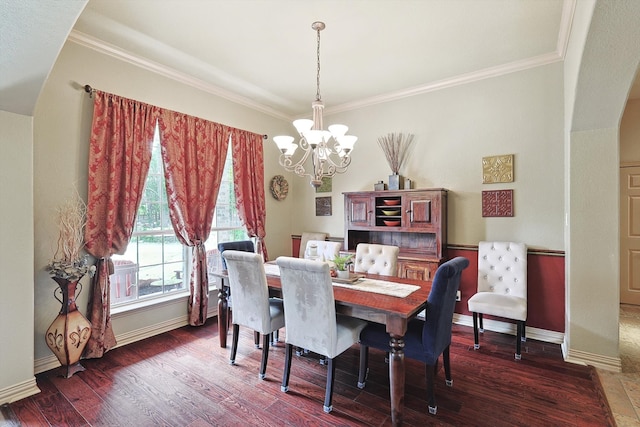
194, 152
119, 156
248, 178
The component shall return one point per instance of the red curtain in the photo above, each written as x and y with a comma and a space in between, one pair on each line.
193, 152
248, 178
119, 156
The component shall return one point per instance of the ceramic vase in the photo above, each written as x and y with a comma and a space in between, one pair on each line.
70, 331
343, 274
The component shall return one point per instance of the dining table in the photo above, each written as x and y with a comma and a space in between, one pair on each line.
363, 299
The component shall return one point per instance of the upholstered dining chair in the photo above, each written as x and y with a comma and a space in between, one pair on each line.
324, 250
425, 340
238, 245
252, 306
309, 235
376, 259
502, 287
311, 318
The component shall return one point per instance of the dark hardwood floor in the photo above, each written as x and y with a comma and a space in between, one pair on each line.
183, 378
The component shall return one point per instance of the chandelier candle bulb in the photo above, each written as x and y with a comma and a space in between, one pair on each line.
329, 151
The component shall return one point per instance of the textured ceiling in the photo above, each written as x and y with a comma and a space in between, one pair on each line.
263, 53
371, 50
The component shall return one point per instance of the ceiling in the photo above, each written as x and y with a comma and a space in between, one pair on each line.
263, 53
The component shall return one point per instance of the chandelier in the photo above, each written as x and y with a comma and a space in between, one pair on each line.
329, 150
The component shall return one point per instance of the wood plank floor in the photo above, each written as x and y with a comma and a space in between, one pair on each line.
182, 378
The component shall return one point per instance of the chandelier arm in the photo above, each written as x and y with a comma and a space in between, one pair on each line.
328, 155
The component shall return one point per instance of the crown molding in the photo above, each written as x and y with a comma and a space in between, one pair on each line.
116, 52
568, 11
459, 80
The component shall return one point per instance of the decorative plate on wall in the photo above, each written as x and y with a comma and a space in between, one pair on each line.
279, 187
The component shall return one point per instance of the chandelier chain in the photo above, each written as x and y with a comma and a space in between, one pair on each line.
318, 97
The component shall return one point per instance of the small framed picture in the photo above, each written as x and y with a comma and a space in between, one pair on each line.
325, 187
323, 206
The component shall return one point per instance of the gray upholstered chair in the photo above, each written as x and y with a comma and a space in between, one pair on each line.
311, 318
252, 306
324, 250
238, 245
502, 287
309, 235
376, 259
427, 339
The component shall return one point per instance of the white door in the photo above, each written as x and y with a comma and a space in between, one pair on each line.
630, 235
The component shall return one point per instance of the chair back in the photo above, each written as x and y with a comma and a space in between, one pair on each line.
248, 284
309, 305
376, 259
502, 268
309, 235
324, 250
240, 245
436, 333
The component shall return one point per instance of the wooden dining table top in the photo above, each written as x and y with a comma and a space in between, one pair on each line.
377, 307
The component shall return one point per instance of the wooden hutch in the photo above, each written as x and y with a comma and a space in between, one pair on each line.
413, 220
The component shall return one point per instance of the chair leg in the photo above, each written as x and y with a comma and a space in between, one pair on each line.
481, 328
363, 372
447, 367
328, 395
520, 328
288, 354
265, 356
234, 344
476, 342
256, 339
524, 331
431, 397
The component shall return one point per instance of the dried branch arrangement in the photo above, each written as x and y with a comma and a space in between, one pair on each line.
68, 263
395, 147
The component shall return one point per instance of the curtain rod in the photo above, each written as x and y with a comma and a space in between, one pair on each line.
91, 91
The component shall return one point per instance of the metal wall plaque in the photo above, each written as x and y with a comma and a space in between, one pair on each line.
497, 203
497, 169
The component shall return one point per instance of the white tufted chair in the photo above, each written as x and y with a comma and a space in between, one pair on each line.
309, 235
376, 259
502, 287
325, 250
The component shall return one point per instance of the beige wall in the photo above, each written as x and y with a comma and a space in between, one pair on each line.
16, 255
520, 114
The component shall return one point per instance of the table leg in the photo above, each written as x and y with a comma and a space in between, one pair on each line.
396, 379
223, 310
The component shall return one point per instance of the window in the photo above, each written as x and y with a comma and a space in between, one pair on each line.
155, 262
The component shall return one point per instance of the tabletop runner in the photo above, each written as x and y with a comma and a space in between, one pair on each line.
400, 290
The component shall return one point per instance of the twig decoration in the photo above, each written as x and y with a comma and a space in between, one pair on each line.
395, 147
71, 221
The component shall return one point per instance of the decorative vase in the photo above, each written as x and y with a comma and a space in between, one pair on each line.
70, 331
343, 274
395, 182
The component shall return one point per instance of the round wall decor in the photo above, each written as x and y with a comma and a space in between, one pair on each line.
279, 187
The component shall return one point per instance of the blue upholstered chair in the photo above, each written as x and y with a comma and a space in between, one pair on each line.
241, 245
252, 306
425, 340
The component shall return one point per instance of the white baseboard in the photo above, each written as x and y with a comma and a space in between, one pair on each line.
510, 328
19, 391
607, 363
